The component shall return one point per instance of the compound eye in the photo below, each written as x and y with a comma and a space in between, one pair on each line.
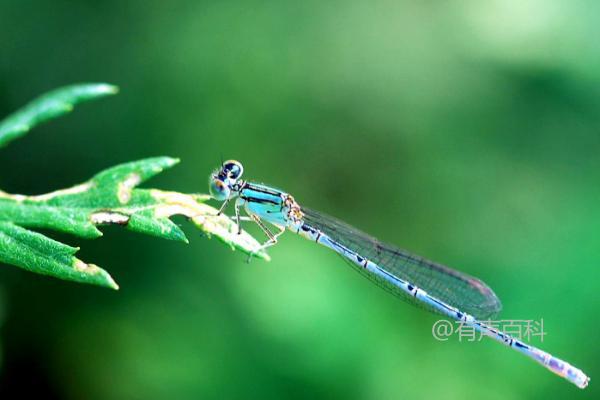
233, 169
218, 189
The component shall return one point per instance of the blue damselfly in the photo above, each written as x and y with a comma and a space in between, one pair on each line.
414, 279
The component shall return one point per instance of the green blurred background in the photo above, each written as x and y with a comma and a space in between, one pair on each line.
465, 131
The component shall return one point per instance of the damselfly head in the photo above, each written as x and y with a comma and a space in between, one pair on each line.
221, 181
218, 189
232, 169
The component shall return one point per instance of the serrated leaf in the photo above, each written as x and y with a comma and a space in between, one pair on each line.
48, 106
110, 197
70, 210
38, 253
207, 219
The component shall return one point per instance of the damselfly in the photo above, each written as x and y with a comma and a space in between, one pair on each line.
414, 279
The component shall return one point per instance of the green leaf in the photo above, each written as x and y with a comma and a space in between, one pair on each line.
79, 209
48, 106
38, 253
110, 197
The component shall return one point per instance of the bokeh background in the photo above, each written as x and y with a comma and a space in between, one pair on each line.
468, 132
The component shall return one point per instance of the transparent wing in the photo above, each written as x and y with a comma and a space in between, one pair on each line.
455, 288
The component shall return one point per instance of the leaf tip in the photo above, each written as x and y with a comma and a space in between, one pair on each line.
265, 256
105, 88
92, 273
179, 235
111, 283
171, 161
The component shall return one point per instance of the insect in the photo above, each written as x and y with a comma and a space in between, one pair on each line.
414, 279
